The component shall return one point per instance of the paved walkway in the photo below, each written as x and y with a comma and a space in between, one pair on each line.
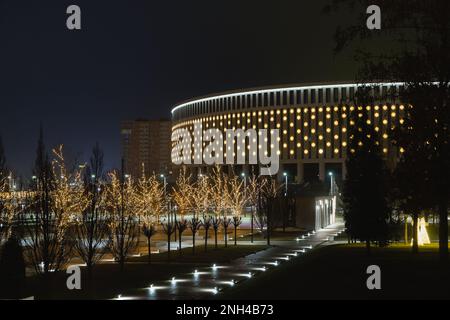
207, 282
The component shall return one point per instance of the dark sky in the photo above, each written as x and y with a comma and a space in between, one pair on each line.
137, 58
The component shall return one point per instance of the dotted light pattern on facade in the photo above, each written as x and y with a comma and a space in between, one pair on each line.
313, 121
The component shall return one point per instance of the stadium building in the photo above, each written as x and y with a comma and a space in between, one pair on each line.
313, 122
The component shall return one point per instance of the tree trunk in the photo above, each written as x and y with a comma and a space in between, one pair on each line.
122, 264
179, 240
443, 230
406, 231
226, 236
235, 235
215, 239
193, 242
251, 228
269, 209
168, 243
175, 230
90, 277
206, 239
368, 247
149, 250
415, 247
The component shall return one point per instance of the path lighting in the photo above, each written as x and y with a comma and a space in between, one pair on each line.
286, 183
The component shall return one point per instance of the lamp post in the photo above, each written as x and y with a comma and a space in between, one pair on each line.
165, 184
245, 183
332, 183
165, 194
286, 183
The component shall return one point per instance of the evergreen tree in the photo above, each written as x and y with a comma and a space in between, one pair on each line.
365, 206
415, 49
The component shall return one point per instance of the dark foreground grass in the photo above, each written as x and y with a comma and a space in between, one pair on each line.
108, 281
339, 272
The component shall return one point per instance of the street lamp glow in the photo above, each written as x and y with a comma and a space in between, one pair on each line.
286, 183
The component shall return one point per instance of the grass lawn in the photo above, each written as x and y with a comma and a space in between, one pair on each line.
109, 281
277, 235
339, 272
212, 255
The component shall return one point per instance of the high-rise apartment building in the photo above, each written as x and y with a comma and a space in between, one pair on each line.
146, 144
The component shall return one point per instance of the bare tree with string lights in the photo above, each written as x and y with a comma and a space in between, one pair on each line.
236, 199
92, 225
182, 196
150, 203
58, 198
124, 228
255, 186
218, 190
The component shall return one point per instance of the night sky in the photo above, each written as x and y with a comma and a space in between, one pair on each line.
137, 58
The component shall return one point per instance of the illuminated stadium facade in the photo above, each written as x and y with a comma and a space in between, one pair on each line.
313, 121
